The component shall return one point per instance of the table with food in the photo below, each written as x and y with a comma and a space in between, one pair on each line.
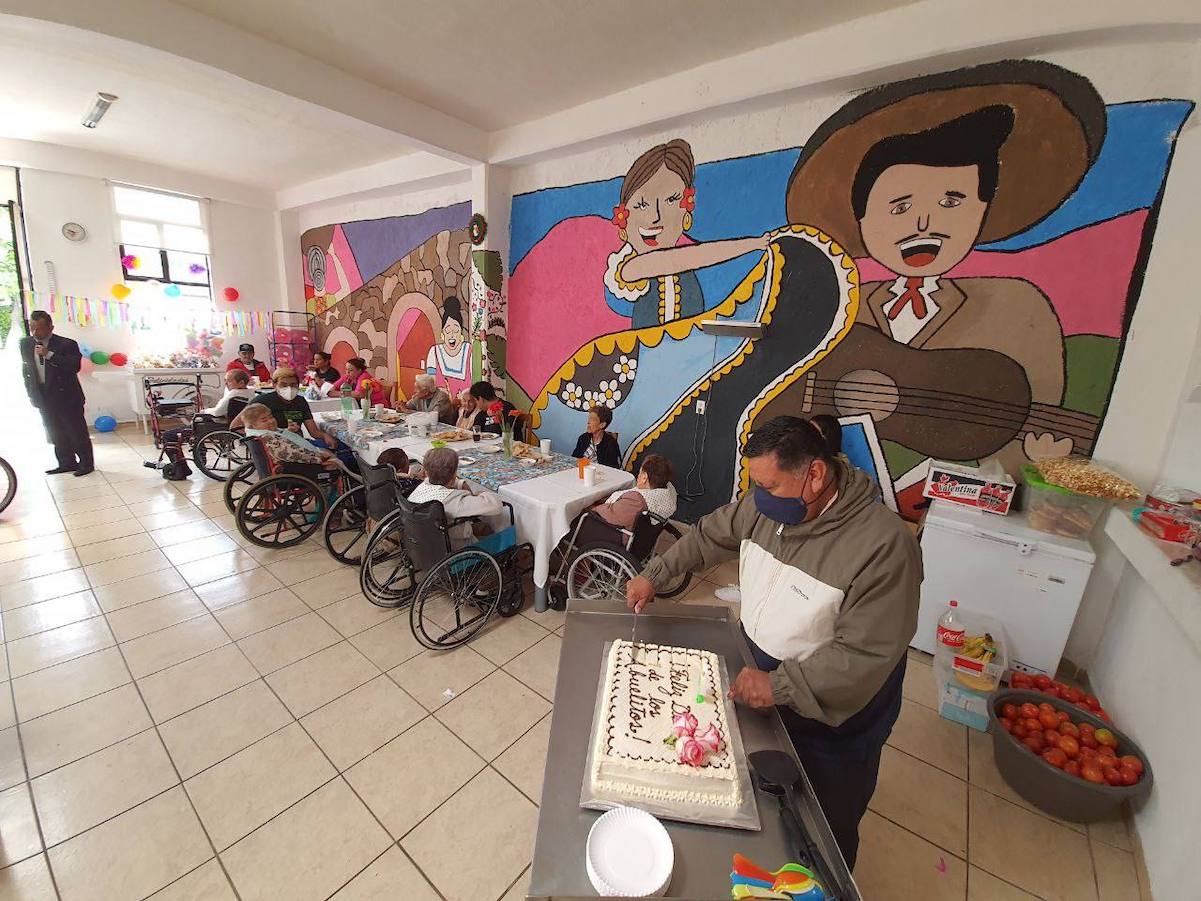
546, 490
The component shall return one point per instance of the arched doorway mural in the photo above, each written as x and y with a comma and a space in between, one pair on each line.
341, 345
412, 330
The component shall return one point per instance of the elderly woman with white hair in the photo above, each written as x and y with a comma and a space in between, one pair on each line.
427, 397
467, 411
441, 466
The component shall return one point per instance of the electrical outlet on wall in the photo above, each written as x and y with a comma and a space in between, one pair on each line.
700, 408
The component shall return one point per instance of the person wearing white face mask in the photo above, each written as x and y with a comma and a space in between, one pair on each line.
292, 412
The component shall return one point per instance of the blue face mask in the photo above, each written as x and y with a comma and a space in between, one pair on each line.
788, 511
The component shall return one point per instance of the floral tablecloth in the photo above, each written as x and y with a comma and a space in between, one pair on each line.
359, 440
494, 470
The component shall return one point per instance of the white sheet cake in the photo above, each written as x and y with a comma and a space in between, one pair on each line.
657, 706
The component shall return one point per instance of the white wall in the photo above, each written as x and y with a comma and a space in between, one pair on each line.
243, 256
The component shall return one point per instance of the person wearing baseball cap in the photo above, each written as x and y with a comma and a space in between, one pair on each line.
246, 361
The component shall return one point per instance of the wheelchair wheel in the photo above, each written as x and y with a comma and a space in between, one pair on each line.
456, 599
345, 527
238, 484
8, 484
386, 576
667, 538
219, 454
600, 573
281, 511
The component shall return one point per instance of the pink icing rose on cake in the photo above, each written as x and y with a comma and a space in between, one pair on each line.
710, 739
683, 724
690, 751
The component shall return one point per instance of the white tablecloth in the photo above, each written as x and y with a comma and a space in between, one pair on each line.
545, 506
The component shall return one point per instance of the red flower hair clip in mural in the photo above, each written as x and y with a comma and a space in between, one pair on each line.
688, 204
621, 218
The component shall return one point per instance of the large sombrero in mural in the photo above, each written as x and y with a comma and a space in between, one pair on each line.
1058, 128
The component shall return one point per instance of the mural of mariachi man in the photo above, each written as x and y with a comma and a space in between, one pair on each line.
451, 356
916, 174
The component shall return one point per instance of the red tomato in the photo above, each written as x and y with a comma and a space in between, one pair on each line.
1069, 746
1051, 737
1088, 740
1034, 743
1092, 773
1064, 716
1107, 738
1010, 711
1033, 724
1105, 752
1021, 680
1044, 707
1091, 702
1129, 776
1102, 714
1072, 767
1042, 681
1055, 757
1129, 760
1086, 727
1049, 719
1028, 710
1068, 728
1007, 725
1088, 753
1019, 730
1112, 775
1075, 695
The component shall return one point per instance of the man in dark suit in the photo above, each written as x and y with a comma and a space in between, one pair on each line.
50, 366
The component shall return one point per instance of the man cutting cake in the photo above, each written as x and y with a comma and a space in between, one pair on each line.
830, 581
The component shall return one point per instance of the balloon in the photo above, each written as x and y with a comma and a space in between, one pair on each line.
99, 357
105, 423
231, 294
86, 365
118, 359
120, 291
85, 349
172, 290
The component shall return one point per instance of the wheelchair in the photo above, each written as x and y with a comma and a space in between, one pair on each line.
452, 594
600, 558
346, 528
178, 426
287, 502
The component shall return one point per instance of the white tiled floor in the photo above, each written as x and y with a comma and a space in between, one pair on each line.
187, 716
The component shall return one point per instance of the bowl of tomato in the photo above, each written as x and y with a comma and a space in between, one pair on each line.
1064, 760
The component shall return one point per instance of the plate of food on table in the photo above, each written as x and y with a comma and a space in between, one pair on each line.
451, 435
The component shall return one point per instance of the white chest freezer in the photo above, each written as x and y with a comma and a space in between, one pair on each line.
997, 565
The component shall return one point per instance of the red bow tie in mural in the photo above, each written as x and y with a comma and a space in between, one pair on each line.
912, 295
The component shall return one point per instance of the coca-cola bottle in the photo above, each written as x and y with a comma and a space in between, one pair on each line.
951, 632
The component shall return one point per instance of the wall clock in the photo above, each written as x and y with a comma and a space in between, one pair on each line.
73, 231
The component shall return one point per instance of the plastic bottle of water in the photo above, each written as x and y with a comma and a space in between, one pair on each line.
951, 632
347, 399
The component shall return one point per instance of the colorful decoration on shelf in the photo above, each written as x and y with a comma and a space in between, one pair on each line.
118, 359
120, 291
129, 261
478, 228
99, 357
105, 423
172, 290
197, 268
231, 294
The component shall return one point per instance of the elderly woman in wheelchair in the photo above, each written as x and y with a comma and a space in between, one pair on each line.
610, 543
437, 552
281, 496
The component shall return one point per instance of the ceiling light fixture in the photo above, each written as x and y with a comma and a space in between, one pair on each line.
99, 108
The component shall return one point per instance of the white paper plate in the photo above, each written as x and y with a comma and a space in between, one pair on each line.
526, 461
629, 854
466, 461
489, 449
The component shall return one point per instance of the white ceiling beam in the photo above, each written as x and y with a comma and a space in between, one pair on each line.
202, 39
398, 172
73, 161
850, 53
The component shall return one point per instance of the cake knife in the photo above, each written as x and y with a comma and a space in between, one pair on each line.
634, 627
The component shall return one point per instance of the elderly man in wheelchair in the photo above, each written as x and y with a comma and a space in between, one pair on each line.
610, 543
437, 551
284, 500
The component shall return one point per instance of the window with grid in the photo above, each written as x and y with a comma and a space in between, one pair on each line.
164, 242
